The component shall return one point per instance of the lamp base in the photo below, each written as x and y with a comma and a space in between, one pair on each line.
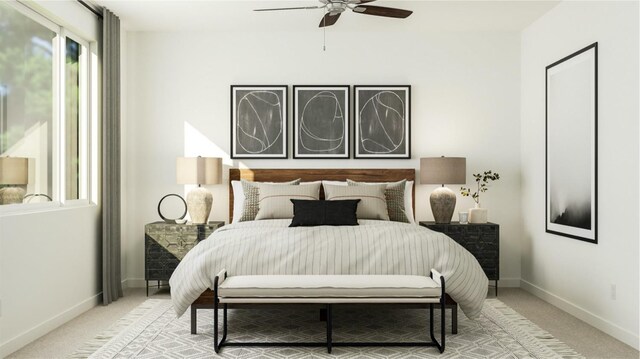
199, 201
443, 203
10, 195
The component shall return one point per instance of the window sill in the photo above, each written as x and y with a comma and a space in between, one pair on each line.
29, 208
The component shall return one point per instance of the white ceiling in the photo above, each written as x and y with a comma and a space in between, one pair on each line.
218, 15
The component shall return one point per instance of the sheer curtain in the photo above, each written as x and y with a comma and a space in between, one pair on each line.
111, 276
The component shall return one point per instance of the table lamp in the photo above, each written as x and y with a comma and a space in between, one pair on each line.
199, 170
443, 170
14, 172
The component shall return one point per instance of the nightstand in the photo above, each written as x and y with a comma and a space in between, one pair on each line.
481, 239
165, 244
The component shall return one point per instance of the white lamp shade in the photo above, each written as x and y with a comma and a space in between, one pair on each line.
443, 170
14, 170
199, 170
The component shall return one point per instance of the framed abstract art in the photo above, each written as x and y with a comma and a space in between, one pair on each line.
572, 145
382, 122
259, 121
321, 122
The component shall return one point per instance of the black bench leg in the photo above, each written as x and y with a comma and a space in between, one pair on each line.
323, 315
224, 324
194, 319
443, 306
216, 345
454, 319
329, 329
433, 338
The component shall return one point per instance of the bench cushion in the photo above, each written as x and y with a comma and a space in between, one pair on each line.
334, 286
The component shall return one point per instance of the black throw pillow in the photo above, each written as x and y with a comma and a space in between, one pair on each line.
324, 213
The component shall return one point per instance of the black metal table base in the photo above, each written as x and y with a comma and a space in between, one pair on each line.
440, 345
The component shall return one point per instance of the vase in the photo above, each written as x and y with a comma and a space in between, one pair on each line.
478, 214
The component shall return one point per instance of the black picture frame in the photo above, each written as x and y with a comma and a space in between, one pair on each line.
367, 100
571, 146
328, 101
253, 107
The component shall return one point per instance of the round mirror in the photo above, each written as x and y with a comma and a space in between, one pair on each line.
172, 207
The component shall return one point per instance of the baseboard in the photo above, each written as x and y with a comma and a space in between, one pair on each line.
39, 330
507, 283
134, 283
594, 320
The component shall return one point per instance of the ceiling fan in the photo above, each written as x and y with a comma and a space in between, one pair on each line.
335, 8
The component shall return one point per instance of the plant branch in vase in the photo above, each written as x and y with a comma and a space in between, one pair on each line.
478, 214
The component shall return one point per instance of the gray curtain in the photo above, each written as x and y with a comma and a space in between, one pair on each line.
111, 276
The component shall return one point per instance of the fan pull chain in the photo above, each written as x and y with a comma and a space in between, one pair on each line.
324, 39
324, 31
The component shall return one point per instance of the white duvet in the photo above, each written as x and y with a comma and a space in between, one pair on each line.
373, 247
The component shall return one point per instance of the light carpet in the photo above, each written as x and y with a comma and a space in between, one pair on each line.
152, 331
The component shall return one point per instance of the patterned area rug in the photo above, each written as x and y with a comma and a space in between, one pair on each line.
153, 331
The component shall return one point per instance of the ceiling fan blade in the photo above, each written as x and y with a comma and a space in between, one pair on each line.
382, 11
356, 2
291, 8
329, 19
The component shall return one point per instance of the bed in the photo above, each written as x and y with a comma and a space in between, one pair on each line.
374, 247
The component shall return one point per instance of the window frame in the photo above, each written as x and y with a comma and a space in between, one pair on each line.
88, 122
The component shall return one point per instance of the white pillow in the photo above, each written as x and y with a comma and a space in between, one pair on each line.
313, 183
334, 183
408, 202
238, 200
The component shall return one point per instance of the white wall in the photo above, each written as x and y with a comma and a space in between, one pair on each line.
465, 102
49, 271
571, 274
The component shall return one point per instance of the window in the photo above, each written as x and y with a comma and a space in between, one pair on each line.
44, 109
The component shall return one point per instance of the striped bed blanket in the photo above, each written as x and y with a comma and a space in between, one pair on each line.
374, 247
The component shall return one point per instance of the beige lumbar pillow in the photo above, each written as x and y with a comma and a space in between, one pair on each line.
252, 196
275, 201
394, 193
373, 204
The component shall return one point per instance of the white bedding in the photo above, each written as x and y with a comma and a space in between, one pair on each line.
373, 247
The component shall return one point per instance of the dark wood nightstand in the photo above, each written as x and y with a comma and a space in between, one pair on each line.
165, 244
481, 239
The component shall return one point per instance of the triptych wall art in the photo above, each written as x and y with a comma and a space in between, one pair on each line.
571, 145
321, 122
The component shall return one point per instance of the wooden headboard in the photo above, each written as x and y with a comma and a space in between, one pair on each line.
308, 175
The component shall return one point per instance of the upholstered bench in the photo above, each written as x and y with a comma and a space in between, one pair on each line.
329, 290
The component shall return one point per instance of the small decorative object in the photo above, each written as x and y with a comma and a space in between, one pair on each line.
463, 217
383, 122
28, 198
259, 121
443, 170
199, 170
172, 220
478, 214
14, 176
571, 145
321, 122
